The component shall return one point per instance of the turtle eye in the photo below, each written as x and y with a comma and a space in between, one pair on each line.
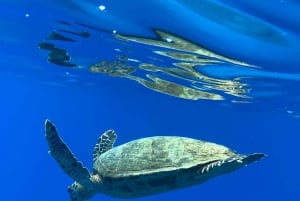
70, 190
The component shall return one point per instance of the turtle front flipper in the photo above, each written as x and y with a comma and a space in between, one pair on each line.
64, 157
104, 143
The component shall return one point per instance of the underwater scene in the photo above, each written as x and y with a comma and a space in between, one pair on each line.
150, 100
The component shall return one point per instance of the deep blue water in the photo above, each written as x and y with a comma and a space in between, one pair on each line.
265, 117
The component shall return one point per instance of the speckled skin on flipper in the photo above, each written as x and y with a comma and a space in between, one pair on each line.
62, 154
145, 166
105, 142
82, 188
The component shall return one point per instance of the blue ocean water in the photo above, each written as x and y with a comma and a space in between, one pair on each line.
243, 55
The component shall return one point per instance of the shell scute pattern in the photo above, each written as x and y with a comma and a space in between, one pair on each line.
156, 154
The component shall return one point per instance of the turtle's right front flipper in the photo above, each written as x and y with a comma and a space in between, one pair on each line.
64, 157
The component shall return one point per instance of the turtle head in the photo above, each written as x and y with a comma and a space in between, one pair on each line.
79, 192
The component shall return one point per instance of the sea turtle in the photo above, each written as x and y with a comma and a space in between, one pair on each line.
144, 166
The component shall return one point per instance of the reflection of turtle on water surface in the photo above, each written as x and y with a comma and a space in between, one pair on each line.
145, 166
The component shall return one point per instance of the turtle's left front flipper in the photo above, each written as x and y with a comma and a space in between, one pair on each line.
64, 157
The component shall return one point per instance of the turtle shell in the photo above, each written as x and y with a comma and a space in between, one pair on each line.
158, 154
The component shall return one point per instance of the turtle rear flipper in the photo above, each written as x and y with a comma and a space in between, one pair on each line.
253, 158
64, 157
230, 164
